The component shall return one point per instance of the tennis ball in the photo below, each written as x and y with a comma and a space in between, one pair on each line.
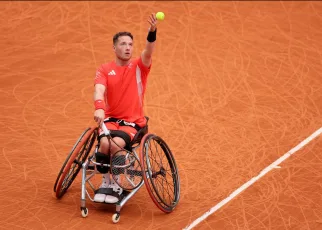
160, 16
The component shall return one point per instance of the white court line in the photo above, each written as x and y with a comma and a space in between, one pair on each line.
254, 179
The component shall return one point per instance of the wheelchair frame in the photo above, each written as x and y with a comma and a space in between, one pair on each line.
86, 179
78, 160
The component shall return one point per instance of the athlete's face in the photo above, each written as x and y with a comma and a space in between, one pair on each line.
123, 48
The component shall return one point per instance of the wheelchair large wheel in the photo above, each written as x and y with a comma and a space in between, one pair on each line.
74, 161
160, 172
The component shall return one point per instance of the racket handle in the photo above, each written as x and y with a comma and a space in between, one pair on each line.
105, 130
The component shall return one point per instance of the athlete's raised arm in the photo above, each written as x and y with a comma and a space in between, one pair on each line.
151, 38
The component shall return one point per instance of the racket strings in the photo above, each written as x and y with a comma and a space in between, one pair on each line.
126, 169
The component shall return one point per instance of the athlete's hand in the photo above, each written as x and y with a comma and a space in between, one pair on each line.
153, 22
99, 116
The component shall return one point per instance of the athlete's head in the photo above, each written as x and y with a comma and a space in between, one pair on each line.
123, 45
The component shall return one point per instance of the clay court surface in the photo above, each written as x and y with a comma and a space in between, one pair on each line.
233, 87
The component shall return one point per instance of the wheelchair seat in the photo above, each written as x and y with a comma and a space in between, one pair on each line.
138, 136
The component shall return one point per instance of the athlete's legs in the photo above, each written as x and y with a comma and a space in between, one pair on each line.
111, 147
122, 135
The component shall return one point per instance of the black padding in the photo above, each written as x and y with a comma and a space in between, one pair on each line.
106, 191
103, 159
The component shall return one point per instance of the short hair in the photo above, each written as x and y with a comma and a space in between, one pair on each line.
119, 34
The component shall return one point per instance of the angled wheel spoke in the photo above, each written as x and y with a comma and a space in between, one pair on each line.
162, 182
74, 161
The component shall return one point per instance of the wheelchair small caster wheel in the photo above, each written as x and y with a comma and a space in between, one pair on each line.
84, 212
116, 217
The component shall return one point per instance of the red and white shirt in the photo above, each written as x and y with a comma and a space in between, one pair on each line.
125, 88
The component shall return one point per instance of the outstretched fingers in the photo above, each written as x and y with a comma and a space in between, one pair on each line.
153, 22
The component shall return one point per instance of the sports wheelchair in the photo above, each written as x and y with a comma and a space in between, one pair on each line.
146, 160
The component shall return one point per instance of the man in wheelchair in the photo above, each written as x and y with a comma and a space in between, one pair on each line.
118, 98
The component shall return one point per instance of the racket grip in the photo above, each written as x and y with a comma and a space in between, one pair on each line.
105, 130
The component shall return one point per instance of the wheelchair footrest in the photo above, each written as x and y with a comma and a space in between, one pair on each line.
106, 191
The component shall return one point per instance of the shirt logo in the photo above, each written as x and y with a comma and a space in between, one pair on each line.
111, 73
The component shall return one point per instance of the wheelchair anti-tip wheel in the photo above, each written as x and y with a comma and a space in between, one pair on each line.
161, 176
116, 217
74, 161
84, 212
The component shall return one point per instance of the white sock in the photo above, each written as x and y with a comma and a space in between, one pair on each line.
105, 184
105, 180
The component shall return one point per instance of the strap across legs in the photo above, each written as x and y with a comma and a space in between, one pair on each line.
122, 122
